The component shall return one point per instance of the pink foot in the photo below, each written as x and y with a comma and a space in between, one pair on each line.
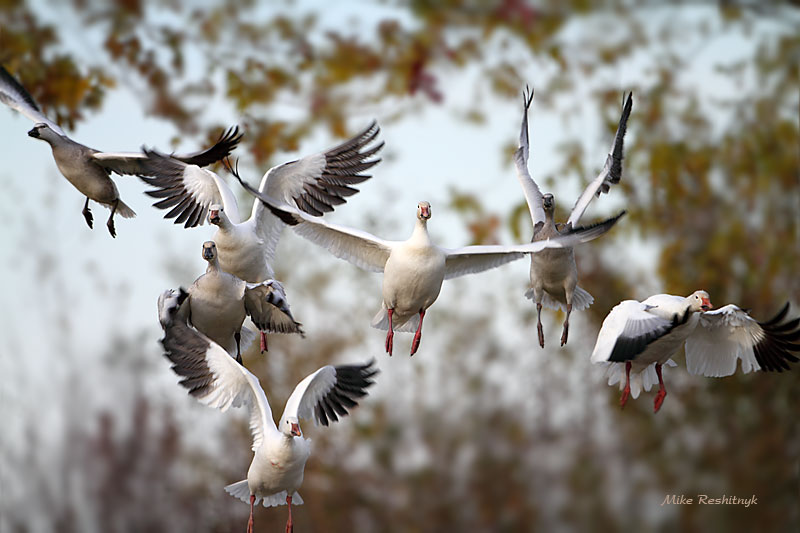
250, 521
289, 524
390, 334
418, 334
625, 393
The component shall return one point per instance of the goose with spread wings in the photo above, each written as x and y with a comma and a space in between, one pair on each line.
554, 274
280, 453
315, 184
414, 269
218, 303
638, 338
89, 170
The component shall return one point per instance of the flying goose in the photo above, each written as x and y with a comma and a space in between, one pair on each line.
645, 335
315, 183
280, 453
218, 303
554, 275
413, 270
88, 169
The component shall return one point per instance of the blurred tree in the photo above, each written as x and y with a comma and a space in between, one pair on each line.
710, 181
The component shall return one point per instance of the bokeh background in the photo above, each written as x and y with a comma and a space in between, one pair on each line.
482, 430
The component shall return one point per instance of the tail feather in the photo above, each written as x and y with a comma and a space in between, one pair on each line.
580, 300
240, 490
645, 379
381, 321
124, 211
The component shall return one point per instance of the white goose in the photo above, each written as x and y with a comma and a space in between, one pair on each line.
554, 275
314, 183
413, 269
280, 453
86, 168
645, 335
218, 303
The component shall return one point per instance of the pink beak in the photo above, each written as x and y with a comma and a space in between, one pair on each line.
426, 212
705, 304
213, 216
296, 430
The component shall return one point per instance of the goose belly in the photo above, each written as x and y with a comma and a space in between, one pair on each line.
216, 309
243, 257
412, 281
91, 180
278, 467
553, 268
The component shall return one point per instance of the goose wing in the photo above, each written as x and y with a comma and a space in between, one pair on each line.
612, 169
533, 196
358, 247
329, 392
266, 304
14, 95
472, 259
728, 334
209, 373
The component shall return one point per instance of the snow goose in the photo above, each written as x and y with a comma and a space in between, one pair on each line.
88, 169
218, 303
314, 183
280, 453
554, 275
413, 270
645, 335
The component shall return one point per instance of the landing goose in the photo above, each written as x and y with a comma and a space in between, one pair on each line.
88, 169
554, 275
280, 453
218, 303
645, 335
314, 183
413, 269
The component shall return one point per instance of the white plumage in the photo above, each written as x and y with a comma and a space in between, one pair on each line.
553, 273
280, 452
413, 269
637, 338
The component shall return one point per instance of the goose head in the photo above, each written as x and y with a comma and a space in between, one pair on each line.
44, 132
291, 427
423, 211
215, 214
700, 301
548, 202
209, 251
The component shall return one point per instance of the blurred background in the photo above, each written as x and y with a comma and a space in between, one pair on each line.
482, 430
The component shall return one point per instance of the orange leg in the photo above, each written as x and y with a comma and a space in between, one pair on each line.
289, 524
627, 390
662, 391
250, 522
263, 342
390, 334
418, 334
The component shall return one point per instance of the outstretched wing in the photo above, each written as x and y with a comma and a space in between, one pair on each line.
329, 392
14, 95
727, 334
612, 170
628, 329
472, 259
315, 183
187, 190
358, 247
209, 373
533, 196
267, 306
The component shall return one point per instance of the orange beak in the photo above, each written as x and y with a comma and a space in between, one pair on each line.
705, 304
296, 430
